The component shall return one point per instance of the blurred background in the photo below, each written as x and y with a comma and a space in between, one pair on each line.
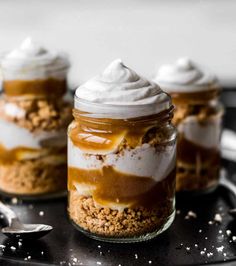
145, 34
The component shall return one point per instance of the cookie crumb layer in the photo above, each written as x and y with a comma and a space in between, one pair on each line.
106, 222
33, 177
43, 114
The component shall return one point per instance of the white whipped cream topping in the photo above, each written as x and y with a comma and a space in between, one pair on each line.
31, 61
142, 161
120, 92
184, 76
13, 136
206, 135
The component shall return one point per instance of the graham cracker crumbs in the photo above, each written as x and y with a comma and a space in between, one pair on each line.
40, 114
35, 176
157, 137
158, 140
202, 112
113, 223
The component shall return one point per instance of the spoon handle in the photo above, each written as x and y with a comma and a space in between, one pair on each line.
10, 215
227, 183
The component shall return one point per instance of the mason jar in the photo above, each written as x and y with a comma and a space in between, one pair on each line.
39, 78
121, 172
34, 116
198, 117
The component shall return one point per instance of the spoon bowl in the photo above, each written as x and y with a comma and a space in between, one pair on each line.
28, 231
17, 230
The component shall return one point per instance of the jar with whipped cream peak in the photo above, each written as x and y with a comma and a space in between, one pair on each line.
121, 157
198, 118
31, 71
34, 116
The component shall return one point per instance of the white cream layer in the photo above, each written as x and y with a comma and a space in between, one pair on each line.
185, 76
206, 135
13, 136
142, 161
31, 61
121, 93
13, 110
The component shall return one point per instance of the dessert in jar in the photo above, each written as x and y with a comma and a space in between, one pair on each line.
121, 157
198, 118
33, 121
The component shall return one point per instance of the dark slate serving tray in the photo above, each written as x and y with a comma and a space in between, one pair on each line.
189, 241
180, 245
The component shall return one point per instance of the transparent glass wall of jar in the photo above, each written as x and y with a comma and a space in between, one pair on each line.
34, 116
121, 175
198, 118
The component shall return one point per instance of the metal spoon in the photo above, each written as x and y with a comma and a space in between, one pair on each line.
16, 229
228, 184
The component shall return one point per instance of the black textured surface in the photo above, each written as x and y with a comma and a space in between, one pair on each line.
180, 245
64, 243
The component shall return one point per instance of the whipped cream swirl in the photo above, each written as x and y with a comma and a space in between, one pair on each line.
121, 92
31, 61
184, 76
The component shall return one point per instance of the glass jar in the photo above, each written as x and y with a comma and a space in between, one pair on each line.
34, 117
35, 80
198, 118
121, 173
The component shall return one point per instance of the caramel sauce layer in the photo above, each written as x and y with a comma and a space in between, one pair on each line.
188, 151
194, 97
41, 87
112, 186
105, 134
104, 140
8, 156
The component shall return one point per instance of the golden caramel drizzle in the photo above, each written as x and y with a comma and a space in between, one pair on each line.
103, 135
8, 156
106, 138
112, 186
40, 87
90, 141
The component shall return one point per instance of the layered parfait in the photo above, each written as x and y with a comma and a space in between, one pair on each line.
33, 120
198, 117
121, 157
